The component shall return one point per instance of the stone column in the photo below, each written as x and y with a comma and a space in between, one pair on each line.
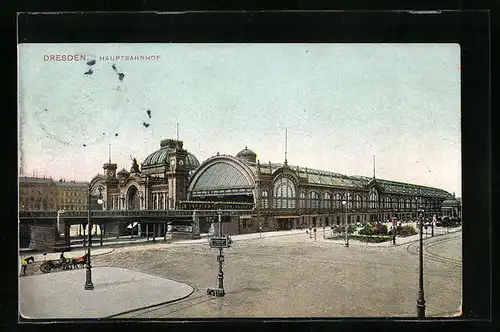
196, 226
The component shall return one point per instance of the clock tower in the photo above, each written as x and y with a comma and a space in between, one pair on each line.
110, 171
177, 174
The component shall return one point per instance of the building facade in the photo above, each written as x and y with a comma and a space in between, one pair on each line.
287, 196
159, 183
282, 196
41, 194
45, 194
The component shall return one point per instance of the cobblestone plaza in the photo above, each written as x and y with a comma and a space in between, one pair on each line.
296, 276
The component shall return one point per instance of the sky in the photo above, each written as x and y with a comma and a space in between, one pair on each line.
341, 104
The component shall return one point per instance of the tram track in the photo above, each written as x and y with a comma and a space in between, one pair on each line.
175, 306
432, 256
337, 263
432, 244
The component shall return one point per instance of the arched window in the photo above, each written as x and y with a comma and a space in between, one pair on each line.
357, 202
373, 199
302, 200
264, 200
389, 203
327, 201
401, 203
407, 204
314, 200
394, 203
364, 202
337, 201
284, 194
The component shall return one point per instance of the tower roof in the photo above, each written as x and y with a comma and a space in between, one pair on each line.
167, 148
247, 155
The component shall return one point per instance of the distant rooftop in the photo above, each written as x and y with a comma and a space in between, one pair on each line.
49, 181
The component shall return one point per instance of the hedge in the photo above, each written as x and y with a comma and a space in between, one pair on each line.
341, 229
362, 238
372, 239
377, 229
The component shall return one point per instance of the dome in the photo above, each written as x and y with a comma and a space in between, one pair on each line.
167, 147
247, 155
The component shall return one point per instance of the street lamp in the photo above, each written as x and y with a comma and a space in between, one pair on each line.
421, 300
344, 203
432, 224
88, 277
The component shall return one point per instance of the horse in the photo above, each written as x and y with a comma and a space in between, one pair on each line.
79, 261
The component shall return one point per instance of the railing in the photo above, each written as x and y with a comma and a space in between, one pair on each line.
130, 213
308, 211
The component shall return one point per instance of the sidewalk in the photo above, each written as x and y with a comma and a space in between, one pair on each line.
116, 290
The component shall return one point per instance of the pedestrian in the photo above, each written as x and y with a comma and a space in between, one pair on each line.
24, 265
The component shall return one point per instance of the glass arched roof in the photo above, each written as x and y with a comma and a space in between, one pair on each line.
221, 176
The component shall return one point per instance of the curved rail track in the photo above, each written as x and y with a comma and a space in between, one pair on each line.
413, 248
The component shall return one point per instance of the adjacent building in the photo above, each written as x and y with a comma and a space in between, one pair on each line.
45, 194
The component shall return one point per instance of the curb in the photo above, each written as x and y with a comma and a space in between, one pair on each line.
148, 307
193, 289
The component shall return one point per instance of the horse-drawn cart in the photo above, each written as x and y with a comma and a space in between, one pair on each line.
63, 263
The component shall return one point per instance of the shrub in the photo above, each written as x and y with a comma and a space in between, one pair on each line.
372, 239
375, 229
341, 229
406, 230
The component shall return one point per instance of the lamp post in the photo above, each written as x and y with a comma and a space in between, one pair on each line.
88, 276
101, 227
220, 275
432, 224
84, 226
344, 203
421, 300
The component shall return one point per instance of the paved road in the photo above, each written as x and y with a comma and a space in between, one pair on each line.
295, 276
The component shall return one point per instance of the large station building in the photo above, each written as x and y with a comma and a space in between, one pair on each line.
281, 196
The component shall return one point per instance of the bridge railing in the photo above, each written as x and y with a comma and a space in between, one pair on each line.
130, 213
